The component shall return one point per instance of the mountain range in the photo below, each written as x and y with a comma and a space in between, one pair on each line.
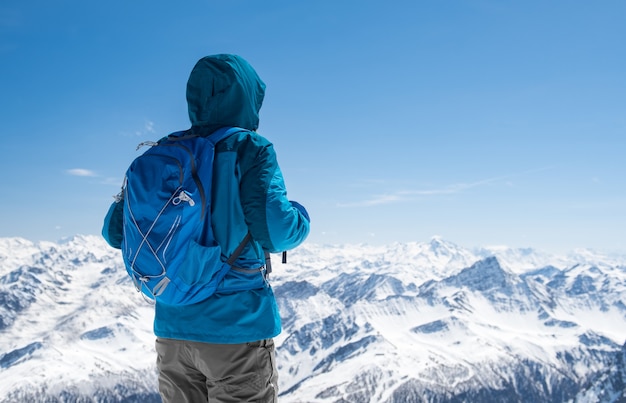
406, 322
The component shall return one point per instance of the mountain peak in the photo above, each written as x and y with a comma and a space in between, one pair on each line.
484, 275
467, 324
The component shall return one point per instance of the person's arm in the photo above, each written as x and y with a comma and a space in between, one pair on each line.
275, 222
112, 231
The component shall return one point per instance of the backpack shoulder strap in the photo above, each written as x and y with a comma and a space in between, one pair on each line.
223, 132
231, 260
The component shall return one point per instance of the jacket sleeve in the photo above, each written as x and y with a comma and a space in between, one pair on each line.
112, 231
272, 220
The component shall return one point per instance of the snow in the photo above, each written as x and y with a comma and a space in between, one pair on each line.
360, 323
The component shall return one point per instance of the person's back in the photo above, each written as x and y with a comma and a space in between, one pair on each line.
221, 349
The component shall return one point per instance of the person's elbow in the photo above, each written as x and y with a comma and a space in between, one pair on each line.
290, 229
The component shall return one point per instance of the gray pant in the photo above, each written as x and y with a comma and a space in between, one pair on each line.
192, 372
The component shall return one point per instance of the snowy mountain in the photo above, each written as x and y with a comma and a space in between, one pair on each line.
610, 386
413, 322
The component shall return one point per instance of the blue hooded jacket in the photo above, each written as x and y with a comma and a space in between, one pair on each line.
248, 195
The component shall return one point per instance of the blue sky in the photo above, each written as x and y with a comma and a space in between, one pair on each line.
484, 122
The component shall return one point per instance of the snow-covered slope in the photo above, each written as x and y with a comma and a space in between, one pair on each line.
403, 323
610, 385
70, 327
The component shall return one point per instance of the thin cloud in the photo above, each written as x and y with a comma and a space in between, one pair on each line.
450, 189
81, 172
87, 173
376, 200
116, 181
406, 195
149, 126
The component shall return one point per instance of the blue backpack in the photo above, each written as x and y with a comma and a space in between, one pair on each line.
168, 246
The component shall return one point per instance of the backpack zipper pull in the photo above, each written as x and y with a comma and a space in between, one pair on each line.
183, 196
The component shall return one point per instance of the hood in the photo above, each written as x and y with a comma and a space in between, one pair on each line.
224, 90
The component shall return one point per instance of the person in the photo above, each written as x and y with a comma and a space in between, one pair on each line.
222, 349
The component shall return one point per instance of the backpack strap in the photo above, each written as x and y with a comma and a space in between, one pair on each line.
268, 263
222, 133
215, 137
231, 260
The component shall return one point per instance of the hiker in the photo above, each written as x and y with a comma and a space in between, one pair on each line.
221, 349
